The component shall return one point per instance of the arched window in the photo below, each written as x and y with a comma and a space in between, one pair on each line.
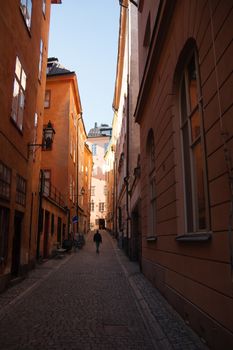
192, 134
151, 222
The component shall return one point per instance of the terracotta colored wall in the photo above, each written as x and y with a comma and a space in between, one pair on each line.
16, 40
60, 160
196, 278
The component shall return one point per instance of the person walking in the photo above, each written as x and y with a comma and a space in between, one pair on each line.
97, 239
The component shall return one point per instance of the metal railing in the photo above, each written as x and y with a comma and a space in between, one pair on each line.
53, 193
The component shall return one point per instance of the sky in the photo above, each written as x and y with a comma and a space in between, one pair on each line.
84, 38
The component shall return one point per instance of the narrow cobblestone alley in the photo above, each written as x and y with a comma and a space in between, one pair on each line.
90, 301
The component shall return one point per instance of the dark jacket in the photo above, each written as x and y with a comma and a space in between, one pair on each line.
97, 237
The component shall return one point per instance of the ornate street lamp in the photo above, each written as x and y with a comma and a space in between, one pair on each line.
48, 135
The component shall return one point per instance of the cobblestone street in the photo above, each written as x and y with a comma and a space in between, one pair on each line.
90, 301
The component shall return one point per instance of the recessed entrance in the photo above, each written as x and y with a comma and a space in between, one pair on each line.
16, 247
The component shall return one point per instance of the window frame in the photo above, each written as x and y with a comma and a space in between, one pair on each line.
21, 190
191, 201
47, 180
47, 92
41, 59
20, 79
94, 149
101, 207
28, 21
4, 182
93, 190
44, 7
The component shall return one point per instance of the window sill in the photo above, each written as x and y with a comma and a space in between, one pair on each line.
151, 239
194, 237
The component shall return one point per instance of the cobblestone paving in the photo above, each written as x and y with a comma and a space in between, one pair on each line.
90, 301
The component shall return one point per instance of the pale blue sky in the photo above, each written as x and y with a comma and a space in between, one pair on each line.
84, 37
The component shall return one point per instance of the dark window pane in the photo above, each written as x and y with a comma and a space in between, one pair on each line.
183, 102
188, 183
200, 192
195, 125
192, 76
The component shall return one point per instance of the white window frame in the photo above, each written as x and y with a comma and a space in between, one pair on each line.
41, 59
26, 9
19, 92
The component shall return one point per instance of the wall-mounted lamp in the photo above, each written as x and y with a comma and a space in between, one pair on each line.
48, 135
132, 2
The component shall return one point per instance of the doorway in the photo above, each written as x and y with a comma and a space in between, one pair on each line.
16, 247
101, 224
136, 244
46, 234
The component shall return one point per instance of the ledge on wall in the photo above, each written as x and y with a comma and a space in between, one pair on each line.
194, 237
151, 238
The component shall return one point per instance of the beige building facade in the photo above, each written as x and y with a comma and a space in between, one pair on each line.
126, 134
98, 140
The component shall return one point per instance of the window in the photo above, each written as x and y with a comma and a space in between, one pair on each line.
44, 7
47, 99
92, 206
92, 190
26, 9
35, 133
5, 181
151, 185
47, 182
20, 190
4, 230
105, 190
101, 207
196, 200
18, 100
40, 59
93, 148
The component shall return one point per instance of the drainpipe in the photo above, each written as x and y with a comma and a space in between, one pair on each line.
77, 170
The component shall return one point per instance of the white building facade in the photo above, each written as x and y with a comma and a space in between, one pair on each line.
98, 140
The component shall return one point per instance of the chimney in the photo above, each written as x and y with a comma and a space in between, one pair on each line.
95, 125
